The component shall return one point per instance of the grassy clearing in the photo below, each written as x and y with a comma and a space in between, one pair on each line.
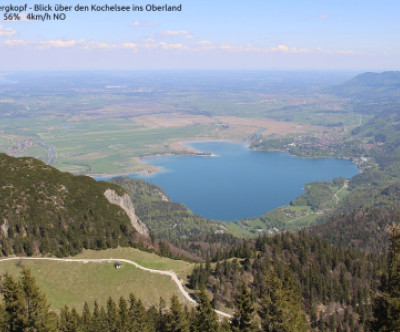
342, 193
283, 218
239, 231
73, 283
146, 259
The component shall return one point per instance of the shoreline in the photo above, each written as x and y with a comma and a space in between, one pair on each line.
310, 157
155, 155
158, 169
193, 152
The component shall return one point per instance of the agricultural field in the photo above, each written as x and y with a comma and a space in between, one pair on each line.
101, 124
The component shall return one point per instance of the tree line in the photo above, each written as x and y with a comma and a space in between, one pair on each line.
280, 308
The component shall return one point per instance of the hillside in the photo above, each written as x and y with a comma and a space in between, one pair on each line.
336, 284
371, 86
73, 283
371, 93
45, 211
362, 220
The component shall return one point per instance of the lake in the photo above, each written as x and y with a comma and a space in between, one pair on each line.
240, 183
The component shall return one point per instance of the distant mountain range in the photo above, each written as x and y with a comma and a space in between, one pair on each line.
371, 88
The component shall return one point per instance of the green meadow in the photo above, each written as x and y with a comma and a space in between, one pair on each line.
73, 283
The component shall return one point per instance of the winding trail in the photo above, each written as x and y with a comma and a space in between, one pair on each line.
345, 185
171, 274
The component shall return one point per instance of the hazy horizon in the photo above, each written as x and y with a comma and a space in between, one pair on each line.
207, 35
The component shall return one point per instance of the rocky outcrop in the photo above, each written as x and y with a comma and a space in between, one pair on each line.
4, 228
125, 203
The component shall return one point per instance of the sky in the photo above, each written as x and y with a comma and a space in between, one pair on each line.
205, 34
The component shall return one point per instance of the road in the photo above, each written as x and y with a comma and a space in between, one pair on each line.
171, 274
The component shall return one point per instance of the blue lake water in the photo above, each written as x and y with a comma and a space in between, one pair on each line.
240, 183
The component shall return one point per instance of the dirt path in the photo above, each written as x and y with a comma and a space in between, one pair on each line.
171, 274
345, 185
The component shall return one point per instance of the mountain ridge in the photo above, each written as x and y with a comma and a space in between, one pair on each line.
45, 211
370, 87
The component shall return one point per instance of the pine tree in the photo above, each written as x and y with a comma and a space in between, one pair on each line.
243, 320
95, 318
132, 311
69, 320
76, 319
86, 318
37, 310
112, 315
225, 326
123, 315
281, 305
296, 315
176, 320
103, 319
152, 318
2, 318
206, 320
387, 306
14, 307
137, 315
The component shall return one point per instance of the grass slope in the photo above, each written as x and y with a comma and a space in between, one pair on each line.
66, 283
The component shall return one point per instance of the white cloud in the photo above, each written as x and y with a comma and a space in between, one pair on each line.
204, 42
153, 44
287, 49
177, 46
6, 31
58, 43
99, 45
15, 43
177, 33
252, 49
143, 24
129, 45
280, 48
47, 44
206, 45
323, 16
343, 52
228, 47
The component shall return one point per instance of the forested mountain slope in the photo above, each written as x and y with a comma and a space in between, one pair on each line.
334, 284
367, 87
362, 220
45, 211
